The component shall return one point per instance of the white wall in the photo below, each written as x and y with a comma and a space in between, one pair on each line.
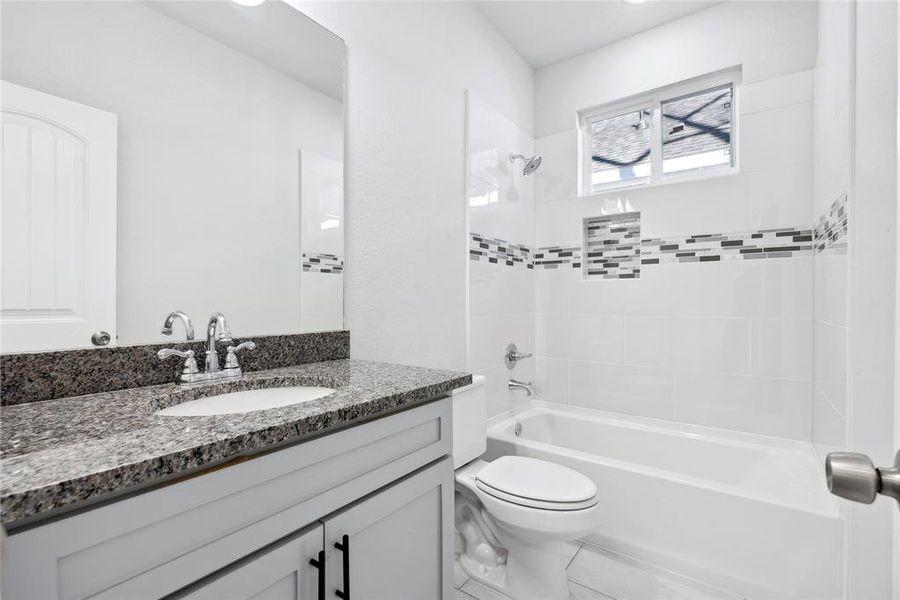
409, 65
769, 39
501, 296
209, 140
724, 344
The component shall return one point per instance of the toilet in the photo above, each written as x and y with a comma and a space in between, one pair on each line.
514, 513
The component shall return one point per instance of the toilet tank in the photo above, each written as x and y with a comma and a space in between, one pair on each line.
469, 422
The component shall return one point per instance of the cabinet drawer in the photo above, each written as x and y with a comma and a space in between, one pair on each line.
154, 543
281, 572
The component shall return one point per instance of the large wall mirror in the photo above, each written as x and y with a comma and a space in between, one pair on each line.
168, 155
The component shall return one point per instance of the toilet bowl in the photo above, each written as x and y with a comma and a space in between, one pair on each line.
514, 513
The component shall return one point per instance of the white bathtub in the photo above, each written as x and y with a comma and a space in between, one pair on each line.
746, 512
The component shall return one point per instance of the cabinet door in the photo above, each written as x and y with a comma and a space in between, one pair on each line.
282, 572
397, 544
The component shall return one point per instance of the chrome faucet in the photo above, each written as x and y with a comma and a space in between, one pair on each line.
216, 331
513, 384
185, 320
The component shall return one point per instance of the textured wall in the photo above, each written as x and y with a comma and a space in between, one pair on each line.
409, 65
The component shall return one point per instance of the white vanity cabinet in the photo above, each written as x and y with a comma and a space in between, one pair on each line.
249, 530
388, 546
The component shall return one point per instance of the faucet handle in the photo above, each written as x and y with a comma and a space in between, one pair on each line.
190, 363
513, 356
231, 361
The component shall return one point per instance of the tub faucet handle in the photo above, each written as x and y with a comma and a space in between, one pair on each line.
513, 356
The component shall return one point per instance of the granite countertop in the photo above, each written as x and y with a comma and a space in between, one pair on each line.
58, 454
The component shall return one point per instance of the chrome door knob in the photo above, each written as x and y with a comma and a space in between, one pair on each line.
853, 476
101, 338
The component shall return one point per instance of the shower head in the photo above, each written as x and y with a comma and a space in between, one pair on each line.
531, 164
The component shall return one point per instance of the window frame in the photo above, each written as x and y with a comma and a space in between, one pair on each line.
654, 100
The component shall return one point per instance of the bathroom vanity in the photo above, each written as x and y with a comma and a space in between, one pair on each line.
349, 495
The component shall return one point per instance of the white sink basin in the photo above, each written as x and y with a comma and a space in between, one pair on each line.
246, 401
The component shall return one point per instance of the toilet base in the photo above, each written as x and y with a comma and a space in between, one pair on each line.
493, 577
530, 573
517, 565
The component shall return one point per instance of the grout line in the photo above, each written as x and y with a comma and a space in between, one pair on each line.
584, 585
600, 594
571, 560
465, 593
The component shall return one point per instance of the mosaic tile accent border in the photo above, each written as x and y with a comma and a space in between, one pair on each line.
832, 227
613, 246
785, 242
495, 250
552, 257
318, 262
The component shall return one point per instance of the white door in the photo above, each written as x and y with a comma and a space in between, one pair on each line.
57, 222
398, 543
872, 564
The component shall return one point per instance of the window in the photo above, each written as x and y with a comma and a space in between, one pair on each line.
620, 148
676, 132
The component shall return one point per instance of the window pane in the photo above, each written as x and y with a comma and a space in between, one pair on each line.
620, 149
697, 132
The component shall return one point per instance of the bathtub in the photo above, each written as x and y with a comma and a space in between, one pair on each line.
748, 513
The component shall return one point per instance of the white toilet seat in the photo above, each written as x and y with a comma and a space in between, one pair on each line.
536, 483
534, 503
543, 517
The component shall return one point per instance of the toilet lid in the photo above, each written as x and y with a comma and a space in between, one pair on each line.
536, 483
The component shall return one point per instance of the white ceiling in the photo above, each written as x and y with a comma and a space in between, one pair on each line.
272, 33
544, 32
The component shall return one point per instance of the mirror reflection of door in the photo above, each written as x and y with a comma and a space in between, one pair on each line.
58, 222
192, 186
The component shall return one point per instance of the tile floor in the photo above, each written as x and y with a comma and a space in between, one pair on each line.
597, 574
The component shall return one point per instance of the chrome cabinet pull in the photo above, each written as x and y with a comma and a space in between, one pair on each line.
852, 476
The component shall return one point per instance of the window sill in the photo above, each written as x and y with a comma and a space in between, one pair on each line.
670, 180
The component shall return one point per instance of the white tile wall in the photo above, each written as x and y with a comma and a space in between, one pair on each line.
712, 344
580, 337
621, 388
671, 343
727, 344
649, 340
777, 407
782, 348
